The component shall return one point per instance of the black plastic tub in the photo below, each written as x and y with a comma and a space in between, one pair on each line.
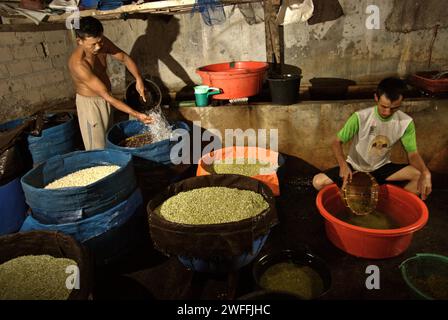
298, 257
284, 88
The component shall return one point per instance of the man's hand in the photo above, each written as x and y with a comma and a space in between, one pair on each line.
144, 118
345, 173
140, 86
424, 186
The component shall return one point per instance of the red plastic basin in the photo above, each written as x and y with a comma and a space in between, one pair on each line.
239, 79
404, 207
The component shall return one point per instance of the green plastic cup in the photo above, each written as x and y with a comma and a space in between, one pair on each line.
202, 93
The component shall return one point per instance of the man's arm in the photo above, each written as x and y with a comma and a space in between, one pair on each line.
344, 170
409, 141
424, 183
123, 57
350, 128
84, 74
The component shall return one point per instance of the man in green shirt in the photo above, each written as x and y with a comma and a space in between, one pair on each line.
374, 131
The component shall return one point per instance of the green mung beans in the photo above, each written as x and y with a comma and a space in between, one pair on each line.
35, 277
292, 278
243, 166
212, 205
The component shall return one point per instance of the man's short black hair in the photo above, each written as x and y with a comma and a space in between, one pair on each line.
392, 88
89, 27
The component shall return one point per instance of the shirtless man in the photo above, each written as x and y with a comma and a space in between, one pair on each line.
88, 66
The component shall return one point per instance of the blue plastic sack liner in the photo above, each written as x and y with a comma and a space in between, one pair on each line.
225, 264
56, 140
76, 203
158, 152
12, 207
92, 227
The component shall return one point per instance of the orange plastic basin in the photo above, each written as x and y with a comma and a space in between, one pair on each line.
240, 79
404, 207
266, 155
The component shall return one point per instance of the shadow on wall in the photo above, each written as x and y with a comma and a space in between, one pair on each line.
156, 44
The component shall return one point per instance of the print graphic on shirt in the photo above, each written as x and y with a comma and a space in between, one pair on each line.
379, 147
372, 130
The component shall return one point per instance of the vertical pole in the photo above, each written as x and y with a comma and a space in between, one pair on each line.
272, 31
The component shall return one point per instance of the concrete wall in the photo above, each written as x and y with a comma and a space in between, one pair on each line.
346, 48
172, 48
306, 129
342, 48
33, 71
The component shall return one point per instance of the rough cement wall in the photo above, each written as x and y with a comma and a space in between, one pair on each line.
345, 48
172, 49
306, 130
33, 71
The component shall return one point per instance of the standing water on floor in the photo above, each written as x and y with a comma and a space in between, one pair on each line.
374, 220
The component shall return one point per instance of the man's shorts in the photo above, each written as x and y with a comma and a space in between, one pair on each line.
380, 174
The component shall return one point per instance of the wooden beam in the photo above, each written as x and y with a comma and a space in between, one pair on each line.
157, 7
272, 31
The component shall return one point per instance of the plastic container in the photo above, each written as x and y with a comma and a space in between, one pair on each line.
301, 258
426, 275
404, 207
202, 93
284, 88
426, 81
158, 152
108, 234
153, 96
152, 163
266, 155
214, 248
240, 79
12, 207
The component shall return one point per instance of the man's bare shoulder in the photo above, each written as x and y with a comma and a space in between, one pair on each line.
77, 63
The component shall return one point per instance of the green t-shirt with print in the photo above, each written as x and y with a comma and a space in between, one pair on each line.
351, 127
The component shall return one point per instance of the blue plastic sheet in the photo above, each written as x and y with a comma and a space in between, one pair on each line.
92, 227
212, 11
77, 203
56, 140
224, 264
12, 207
